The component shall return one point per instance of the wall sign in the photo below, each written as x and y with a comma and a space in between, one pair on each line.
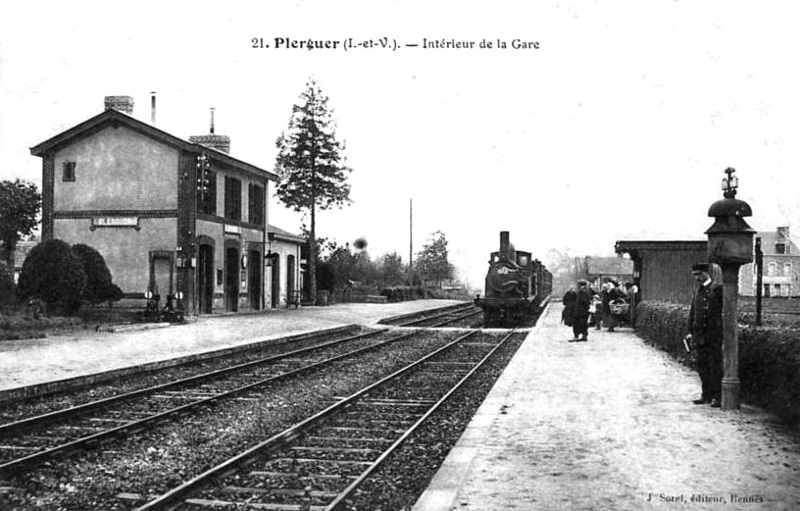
115, 221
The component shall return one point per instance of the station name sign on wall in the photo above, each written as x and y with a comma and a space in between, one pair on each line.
115, 221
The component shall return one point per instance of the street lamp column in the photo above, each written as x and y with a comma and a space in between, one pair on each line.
730, 244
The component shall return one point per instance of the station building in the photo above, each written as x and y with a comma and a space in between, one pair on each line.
662, 269
167, 214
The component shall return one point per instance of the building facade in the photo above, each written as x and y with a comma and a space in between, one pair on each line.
285, 266
662, 269
780, 270
168, 215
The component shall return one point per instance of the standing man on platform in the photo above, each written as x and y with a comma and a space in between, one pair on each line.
705, 334
580, 327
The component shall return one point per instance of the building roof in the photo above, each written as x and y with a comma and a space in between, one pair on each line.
629, 246
609, 266
770, 238
278, 234
116, 118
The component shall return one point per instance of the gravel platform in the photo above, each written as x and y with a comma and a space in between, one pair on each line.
36, 361
609, 424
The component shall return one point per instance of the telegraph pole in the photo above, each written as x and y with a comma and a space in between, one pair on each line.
410, 233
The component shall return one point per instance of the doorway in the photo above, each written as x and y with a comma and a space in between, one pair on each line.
205, 268
232, 279
255, 279
276, 281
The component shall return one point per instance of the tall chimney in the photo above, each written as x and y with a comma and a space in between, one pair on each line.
504, 242
153, 107
221, 143
122, 104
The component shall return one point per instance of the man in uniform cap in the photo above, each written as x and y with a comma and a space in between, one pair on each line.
580, 327
705, 333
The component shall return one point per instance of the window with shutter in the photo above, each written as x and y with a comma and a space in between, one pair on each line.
68, 173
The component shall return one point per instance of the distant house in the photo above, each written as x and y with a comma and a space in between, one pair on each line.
21, 251
781, 266
600, 268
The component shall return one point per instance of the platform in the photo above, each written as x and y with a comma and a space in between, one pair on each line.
37, 361
609, 424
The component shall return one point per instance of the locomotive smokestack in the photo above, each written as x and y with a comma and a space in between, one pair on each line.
504, 242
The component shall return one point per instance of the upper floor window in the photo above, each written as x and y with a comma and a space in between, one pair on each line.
68, 171
781, 248
256, 204
787, 269
233, 199
772, 269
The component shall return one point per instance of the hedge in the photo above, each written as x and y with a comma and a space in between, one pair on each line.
769, 357
403, 293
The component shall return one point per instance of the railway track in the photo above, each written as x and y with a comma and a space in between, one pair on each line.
444, 318
320, 462
34, 440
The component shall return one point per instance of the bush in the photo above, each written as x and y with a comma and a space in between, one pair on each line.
6, 284
403, 293
54, 273
99, 287
769, 357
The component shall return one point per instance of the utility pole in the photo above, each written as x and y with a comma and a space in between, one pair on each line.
410, 233
759, 279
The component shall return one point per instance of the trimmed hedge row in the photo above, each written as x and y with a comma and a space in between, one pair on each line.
769, 357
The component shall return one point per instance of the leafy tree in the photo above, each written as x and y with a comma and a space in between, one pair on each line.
20, 203
311, 167
99, 285
392, 271
53, 272
432, 261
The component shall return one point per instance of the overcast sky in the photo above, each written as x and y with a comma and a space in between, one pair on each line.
618, 126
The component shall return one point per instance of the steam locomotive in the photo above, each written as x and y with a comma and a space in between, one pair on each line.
517, 286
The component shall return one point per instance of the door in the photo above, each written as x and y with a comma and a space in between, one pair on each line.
255, 280
205, 268
276, 281
161, 274
290, 279
232, 279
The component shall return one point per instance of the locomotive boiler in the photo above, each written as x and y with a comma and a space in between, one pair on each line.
517, 286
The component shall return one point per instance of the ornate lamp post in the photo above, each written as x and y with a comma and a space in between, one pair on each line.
730, 244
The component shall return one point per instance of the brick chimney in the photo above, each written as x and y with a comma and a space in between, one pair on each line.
221, 143
784, 231
122, 104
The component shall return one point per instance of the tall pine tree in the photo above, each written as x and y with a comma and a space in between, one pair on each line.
312, 169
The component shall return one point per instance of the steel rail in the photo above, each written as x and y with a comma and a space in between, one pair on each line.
345, 494
436, 316
171, 499
51, 417
99, 438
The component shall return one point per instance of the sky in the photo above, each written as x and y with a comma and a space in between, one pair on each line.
617, 127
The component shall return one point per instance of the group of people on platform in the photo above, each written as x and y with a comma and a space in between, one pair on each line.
584, 307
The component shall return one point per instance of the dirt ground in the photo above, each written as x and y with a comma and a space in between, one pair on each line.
609, 424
